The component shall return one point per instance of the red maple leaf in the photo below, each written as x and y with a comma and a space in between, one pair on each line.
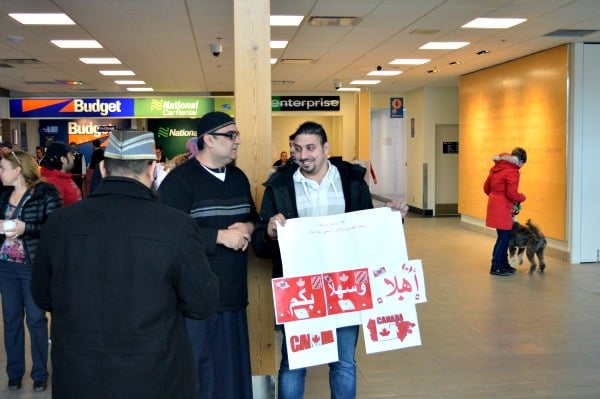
385, 332
316, 339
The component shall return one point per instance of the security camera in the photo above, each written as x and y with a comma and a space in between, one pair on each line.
337, 84
216, 49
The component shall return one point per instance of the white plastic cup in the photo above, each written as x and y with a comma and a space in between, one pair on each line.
9, 227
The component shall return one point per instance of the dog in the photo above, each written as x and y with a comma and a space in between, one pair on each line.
527, 238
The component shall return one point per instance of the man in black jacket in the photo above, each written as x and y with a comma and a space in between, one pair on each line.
315, 186
118, 328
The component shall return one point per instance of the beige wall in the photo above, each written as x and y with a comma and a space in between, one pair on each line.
429, 106
339, 126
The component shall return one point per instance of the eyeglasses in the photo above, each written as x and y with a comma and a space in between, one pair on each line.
232, 134
16, 157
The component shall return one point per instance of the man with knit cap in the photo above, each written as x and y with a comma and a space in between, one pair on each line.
118, 327
217, 195
55, 168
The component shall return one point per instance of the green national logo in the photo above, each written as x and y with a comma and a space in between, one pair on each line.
163, 132
156, 105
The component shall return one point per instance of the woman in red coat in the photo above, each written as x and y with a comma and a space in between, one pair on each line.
502, 188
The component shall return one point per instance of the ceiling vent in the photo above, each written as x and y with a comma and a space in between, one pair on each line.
297, 61
571, 32
425, 31
334, 21
282, 82
20, 61
41, 82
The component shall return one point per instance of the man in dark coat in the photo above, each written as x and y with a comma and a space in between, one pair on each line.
118, 328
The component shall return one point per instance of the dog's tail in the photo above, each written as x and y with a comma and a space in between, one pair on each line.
534, 229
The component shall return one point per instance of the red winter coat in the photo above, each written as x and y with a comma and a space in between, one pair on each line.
66, 186
501, 186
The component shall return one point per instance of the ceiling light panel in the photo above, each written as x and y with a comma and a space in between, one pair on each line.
286, 20
117, 73
443, 45
384, 73
365, 82
493, 23
278, 43
410, 61
130, 82
42, 18
106, 61
76, 43
140, 89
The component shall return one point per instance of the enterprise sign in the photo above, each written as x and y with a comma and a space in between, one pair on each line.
305, 103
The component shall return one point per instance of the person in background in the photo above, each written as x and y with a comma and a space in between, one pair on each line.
192, 147
502, 188
79, 166
92, 176
39, 154
25, 207
6, 147
160, 157
291, 142
313, 186
56, 167
283, 157
217, 195
118, 328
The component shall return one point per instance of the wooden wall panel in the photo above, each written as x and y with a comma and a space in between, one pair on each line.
518, 103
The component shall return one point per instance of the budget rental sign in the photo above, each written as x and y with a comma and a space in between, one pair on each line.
72, 108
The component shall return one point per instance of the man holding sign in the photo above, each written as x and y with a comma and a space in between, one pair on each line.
315, 186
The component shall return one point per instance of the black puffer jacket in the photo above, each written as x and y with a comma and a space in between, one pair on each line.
280, 197
39, 202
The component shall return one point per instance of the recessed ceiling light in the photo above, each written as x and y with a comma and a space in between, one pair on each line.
410, 61
443, 45
140, 89
493, 23
130, 82
286, 20
278, 43
273, 60
348, 89
117, 73
365, 82
384, 73
100, 60
76, 43
42, 18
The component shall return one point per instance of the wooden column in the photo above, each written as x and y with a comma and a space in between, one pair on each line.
253, 118
363, 123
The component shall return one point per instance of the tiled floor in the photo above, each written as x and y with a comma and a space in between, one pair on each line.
484, 337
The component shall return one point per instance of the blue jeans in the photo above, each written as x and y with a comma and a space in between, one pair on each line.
342, 374
500, 253
17, 304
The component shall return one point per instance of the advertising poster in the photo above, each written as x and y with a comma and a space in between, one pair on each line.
173, 134
367, 280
